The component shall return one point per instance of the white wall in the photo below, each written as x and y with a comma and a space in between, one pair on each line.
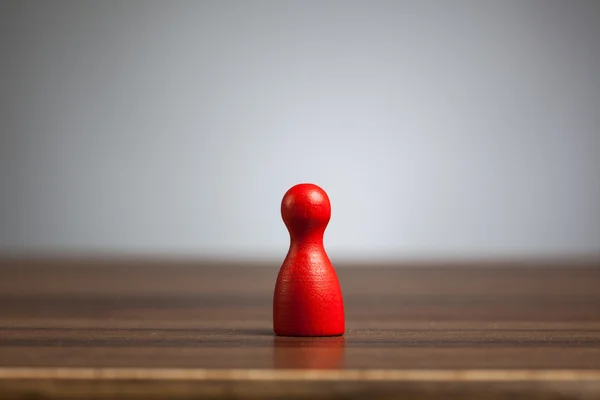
438, 128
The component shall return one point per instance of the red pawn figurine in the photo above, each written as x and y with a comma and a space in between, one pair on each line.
308, 299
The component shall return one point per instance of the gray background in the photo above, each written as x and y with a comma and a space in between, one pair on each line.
438, 128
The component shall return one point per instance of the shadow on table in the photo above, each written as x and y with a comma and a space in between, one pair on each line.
308, 352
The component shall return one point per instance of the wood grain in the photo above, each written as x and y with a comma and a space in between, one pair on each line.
99, 328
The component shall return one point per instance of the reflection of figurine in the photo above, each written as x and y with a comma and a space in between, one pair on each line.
309, 353
308, 298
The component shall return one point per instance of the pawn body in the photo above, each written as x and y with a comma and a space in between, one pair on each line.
308, 298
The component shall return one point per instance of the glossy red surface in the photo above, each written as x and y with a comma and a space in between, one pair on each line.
308, 298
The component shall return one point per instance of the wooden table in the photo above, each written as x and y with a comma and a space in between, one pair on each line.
177, 329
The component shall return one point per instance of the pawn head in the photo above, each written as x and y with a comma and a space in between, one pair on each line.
305, 206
